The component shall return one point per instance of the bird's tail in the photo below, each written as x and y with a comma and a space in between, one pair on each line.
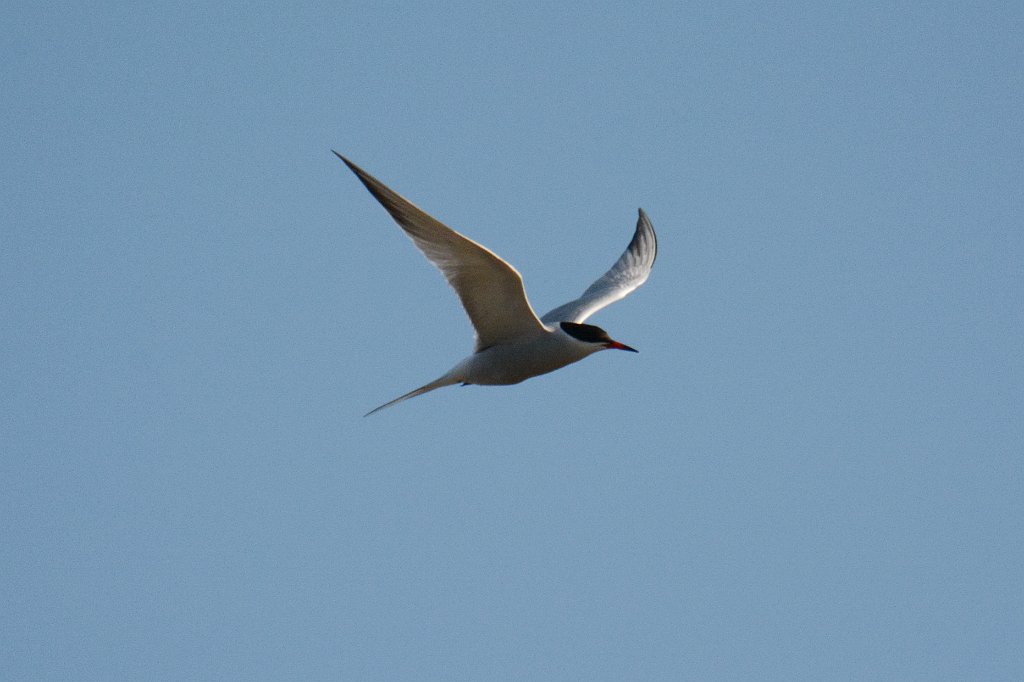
446, 380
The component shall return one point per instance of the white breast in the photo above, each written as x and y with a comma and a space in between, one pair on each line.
511, 363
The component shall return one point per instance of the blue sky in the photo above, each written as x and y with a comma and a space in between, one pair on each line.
812, 470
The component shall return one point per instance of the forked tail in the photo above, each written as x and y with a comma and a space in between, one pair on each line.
446, 380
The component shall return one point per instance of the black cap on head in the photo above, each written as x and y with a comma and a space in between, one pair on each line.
588, 333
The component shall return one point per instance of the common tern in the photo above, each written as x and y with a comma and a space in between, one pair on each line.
512, 343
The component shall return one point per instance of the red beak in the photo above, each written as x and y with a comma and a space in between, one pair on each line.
620, 346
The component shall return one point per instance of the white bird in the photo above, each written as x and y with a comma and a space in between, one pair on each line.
512, 344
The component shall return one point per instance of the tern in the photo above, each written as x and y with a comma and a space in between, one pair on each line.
512, 343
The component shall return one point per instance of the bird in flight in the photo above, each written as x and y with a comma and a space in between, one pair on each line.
512, 343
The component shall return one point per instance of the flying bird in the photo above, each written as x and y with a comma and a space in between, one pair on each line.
512, 343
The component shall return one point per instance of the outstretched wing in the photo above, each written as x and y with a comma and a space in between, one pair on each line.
628, 273
490, 289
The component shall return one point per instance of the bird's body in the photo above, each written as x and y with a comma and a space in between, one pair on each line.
519, 360
512, 344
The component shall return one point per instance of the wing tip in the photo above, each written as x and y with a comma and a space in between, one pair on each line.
381, 192
354, 168
643, 227
643, 218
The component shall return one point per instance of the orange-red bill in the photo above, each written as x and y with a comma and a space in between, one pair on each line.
620, 346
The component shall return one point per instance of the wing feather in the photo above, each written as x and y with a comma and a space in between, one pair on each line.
491, 290
629, 272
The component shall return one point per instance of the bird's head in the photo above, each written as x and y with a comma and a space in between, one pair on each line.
588, 333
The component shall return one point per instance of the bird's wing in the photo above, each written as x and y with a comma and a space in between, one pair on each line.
628, 273
490, 289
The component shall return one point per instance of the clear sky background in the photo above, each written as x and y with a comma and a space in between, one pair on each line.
812, 470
